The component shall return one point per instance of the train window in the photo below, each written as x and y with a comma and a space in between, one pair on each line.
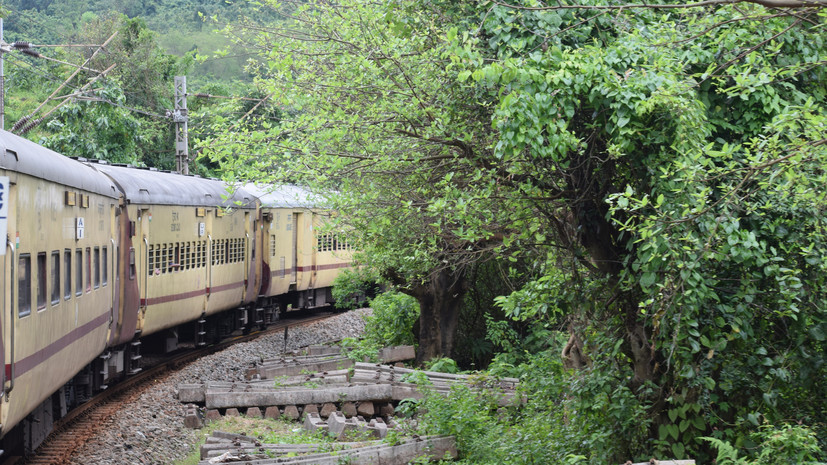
41, 280
170, 259
227, 244
67, 272
78, 272
176, 261
289, 221
105, 265
150, 267
182, 264
159, 260
97, 267
132, 263
187, 257
281, 265
24, 285
272, 245
88, 269
55, 277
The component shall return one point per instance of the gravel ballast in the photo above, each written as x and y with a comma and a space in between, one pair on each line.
150, 429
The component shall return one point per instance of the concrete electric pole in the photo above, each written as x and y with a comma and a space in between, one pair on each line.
179, 117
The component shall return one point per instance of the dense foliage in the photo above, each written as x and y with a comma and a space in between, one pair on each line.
655, 175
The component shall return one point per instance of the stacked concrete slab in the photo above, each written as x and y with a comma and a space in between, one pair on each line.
366, 387
226, 447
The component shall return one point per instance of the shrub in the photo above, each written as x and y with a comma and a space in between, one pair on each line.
394, 315
353, 287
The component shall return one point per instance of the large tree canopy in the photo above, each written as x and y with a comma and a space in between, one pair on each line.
662, 166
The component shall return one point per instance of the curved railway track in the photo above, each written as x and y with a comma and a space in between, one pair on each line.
82, 423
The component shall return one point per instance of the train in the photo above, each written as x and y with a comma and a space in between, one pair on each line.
102, 259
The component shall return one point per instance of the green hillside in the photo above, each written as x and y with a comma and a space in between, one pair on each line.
115, 108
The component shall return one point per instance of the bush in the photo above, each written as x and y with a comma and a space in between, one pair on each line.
353, 287
391, 324
788, 444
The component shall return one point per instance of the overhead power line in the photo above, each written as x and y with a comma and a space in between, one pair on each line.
25, 121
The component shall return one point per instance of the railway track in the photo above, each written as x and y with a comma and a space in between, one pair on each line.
84, 422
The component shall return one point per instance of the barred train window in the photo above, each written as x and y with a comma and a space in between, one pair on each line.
78, 272
55, 277
97, 267
176, 258
150, 266
67, 272
41, 280
272, 245
88, 269
24, 285
105, 265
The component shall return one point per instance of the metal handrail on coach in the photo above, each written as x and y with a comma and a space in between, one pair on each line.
145, 271
114, 277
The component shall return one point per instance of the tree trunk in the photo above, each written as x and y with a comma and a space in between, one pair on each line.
440, 300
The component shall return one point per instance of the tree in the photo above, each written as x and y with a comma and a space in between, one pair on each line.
685, 150
374, 124
125, 107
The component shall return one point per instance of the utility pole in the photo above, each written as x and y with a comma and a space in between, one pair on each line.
179, 117
2, 84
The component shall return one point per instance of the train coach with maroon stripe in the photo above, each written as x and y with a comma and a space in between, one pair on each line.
100, 260
58, 292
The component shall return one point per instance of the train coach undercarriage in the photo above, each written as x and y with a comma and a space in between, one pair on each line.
118, 363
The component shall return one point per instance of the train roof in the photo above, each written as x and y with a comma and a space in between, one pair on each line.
24, 156
283, 196
153, 187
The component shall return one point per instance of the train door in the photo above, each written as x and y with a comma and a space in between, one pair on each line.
315, 224
293, 223
140, 263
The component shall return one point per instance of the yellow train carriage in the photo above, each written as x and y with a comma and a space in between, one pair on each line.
57, 275
193, 244
299, 262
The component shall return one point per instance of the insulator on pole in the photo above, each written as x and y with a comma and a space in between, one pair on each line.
30, 126
20, 123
